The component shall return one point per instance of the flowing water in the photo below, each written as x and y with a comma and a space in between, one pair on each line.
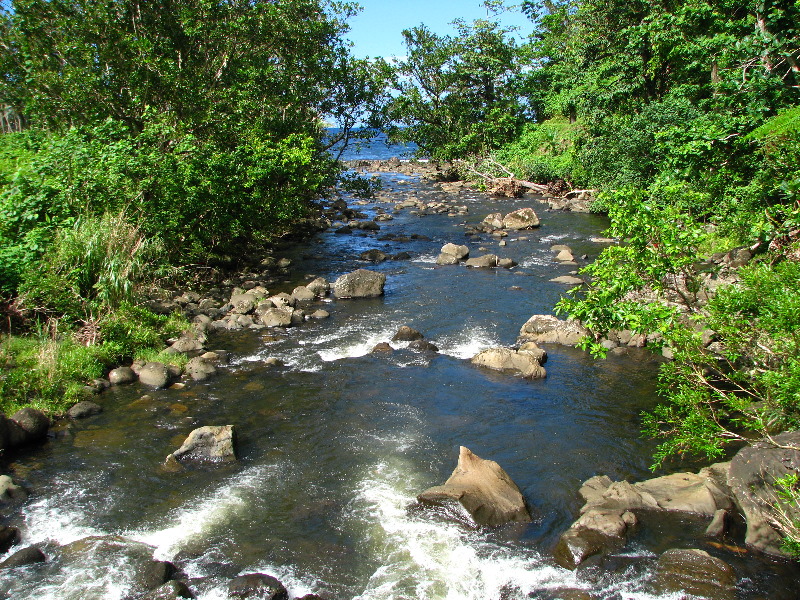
335, 445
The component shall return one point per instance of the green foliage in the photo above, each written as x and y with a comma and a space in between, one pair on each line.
460, 96
786, 511
543, 152
134, 329
748, 381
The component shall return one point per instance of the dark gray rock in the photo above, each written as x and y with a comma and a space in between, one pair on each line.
200, 369
27, 556
9, 536
33, 422
84, 409
375, 256
407, 334
257, 585
172, 590
697, 573
154, 374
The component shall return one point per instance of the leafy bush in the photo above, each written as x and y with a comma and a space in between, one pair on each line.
544, 151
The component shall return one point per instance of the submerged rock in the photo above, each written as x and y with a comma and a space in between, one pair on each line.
105, 554
362, 283
483, 488
27, 556
209, 443
172, 590
257, 586
695, 572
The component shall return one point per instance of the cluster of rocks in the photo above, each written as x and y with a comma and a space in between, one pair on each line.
527, 360
146, 577
453, 254
498, 225
745, 485
413, 339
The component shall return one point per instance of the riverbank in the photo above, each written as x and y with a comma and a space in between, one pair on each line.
343, 440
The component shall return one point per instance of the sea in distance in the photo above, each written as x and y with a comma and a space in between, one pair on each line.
376, 148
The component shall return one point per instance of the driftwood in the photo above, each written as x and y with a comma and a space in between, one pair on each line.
508, 186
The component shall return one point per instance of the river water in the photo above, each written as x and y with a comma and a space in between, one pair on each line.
335, 445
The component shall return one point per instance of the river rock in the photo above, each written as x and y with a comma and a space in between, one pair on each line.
172, 590
531, 348
446, 260
121, 375
242, 304
154, 374
209, 443
33, 422
199, 369
100, 553
407, 334
483, 488
362, 283
277, 317
9, 536
494, 221
751, 472
459, 251
695, 572
565, 256
550, 329
10, 491
508, 360
568, 280
595, 532
257, 585
524, 218
282, 300
485, 261
506, 263
319, 286
374, 255
423, 346
382, 348
84, 409
189, 343
303, 294
27, 556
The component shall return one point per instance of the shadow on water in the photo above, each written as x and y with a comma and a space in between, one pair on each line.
335, 445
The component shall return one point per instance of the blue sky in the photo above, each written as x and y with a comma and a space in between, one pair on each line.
375, 31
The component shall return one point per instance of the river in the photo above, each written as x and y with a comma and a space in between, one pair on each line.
335, 444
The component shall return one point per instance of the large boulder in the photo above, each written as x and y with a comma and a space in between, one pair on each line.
121, 376
695, 572
362, 283
257, 586
33, 422
549, 329
483, 488
154, 374
27, 556
242, 304
459, 251
199, 369
508, 360
100, 554
214, 443
524, 218
319, 286
752, 472
446, 259
277, 317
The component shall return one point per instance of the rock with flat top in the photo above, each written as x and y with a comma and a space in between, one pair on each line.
550, 329
362, 283
459, 251
483, 488
486, 261
695, 572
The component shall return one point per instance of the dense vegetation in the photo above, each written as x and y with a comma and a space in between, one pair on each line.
156, 134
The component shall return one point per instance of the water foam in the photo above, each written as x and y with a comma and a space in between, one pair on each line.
428, 559
467, 343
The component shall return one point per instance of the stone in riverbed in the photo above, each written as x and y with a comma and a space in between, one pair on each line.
508, 360
595, 532
550, 329
172, 590
154, 374
98, 554
483, 488
486, 261
407, 334
210, 443
362, 283
121, 375
319, 286
524, 218
459, 251
9, 536
277, 317
695, 572
27, 556
84, 409
200, 369
257, 586
446, 260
